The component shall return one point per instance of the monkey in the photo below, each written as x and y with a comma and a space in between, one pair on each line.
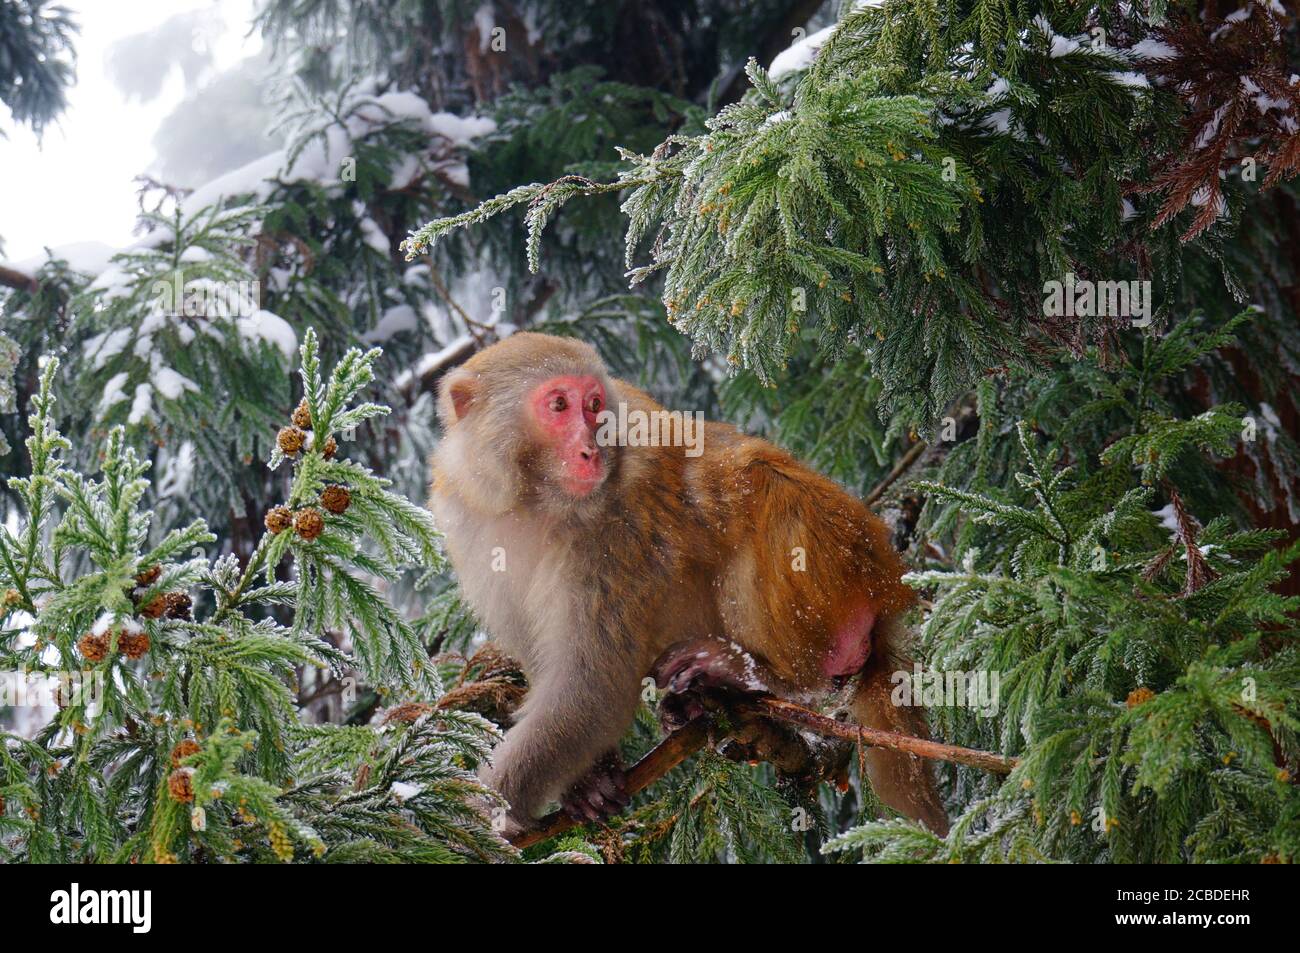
595, 562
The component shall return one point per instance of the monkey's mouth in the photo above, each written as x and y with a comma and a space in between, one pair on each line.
581, 478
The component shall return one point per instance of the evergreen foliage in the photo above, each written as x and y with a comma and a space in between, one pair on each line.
177, 736
37, 61
1149, 683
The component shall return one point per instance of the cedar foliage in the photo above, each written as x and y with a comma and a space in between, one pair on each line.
177, 738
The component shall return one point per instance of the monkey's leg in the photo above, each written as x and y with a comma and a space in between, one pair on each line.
713, 674
600, 794
689, 670
696, 670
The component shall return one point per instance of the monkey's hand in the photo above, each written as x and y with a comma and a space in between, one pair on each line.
691, 671
600, 794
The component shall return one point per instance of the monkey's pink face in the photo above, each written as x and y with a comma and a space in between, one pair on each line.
565, 410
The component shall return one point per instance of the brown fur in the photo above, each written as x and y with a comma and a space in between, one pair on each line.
669, 548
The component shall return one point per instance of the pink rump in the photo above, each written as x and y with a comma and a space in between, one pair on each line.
852, 643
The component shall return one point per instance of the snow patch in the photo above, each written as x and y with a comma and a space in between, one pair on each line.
485, 23
142, 406
113, 392
178, 475
262, 325
395, 320
801, 54
404, 791
1168, 519
1152, 49
170, 384
1129, 79
106, 345
87, 258
108, 620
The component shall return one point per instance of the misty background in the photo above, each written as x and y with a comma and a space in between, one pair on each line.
177, 91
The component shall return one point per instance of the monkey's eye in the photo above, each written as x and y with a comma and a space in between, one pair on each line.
558, 403
595, 405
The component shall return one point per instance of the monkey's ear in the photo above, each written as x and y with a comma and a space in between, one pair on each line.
459, 390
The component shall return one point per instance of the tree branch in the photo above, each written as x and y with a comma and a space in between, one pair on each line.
904, 463
16, 279
875, 738
683, 743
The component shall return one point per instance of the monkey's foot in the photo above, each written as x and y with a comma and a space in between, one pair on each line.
599, 795
691, 670
795, 756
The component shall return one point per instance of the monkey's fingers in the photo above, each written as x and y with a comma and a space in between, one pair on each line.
596, 806
598, 796
580, 811
613, 796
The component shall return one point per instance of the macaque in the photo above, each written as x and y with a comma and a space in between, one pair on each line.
594, 564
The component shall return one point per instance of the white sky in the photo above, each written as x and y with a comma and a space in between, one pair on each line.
75, 185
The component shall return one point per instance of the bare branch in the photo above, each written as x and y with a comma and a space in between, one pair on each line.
16, 279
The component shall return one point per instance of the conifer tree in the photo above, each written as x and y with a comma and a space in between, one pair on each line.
37, 61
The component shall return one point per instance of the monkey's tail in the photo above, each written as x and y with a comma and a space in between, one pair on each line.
902, 781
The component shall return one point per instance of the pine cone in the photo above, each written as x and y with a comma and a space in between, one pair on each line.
309, 523
278, 519
147, 577
93, 648
183, 751
180, 785
179, 605
133, 644
291, 440
302, 416
11, 598
2, 807
336, 499
1139, 696
155, 607
331, 447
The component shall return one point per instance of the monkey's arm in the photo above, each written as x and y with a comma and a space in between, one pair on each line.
574, 715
